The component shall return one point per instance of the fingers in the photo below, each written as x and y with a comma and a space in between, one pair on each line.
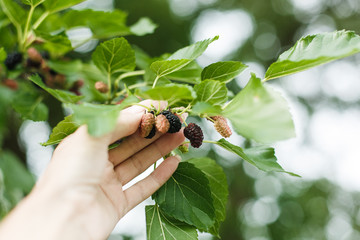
145, 188
129, 119
130, 146
134, 143
142, 160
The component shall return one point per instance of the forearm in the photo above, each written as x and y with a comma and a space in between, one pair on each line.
40, 216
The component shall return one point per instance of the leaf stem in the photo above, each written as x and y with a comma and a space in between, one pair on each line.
155, 81
204, 141
138, 104
210, 119
40, 20
126, 75
186, 109
37, 102
208, 141
182, 119
143, 84
26, 30
109, 85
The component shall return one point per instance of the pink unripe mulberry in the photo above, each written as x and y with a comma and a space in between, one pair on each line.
34, 55
162, 124
222, 126
146, 124
101, 87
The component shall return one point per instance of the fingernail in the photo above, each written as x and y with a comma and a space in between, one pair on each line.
135, 109
178, 158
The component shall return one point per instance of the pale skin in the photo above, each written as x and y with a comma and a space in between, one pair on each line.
80, 195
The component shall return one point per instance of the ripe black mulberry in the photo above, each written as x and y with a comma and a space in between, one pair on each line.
175, 123
194, 133
12, 60
152, 133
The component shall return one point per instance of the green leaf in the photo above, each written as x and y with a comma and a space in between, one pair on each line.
13, 11
29, 105
171, 92
218, 186
58, 5
61, 95
52, 24
193, 51
143, 60
180, 58
15, 181
261, 157
162, 227
143, 26
16, 176
100, 119
314, 50
223, 71
212, 92
57, 45
2, 54
186, 196
91, 74
260, 113
102, 24
188, 74
61, 131
114, 55
165, 67
33, 3
71, 67
201, 108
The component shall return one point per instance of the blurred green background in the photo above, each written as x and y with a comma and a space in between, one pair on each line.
325, 202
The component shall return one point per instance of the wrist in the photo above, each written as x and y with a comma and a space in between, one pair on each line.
42, 215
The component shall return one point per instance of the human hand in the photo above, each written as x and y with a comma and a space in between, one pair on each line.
81, 196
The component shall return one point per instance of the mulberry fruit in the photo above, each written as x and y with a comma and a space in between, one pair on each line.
147, 125
194, 133
175, 123
162, 124
221, 126
101, 87
152, 133
75, 88
34, 55
184, 148
12, 60
10, 83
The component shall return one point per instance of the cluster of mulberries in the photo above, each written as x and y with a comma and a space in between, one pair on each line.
168, 122
165, 122
36, 63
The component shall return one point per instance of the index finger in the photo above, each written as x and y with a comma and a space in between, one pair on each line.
129, 119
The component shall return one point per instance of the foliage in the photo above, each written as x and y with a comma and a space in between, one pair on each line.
195, 197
